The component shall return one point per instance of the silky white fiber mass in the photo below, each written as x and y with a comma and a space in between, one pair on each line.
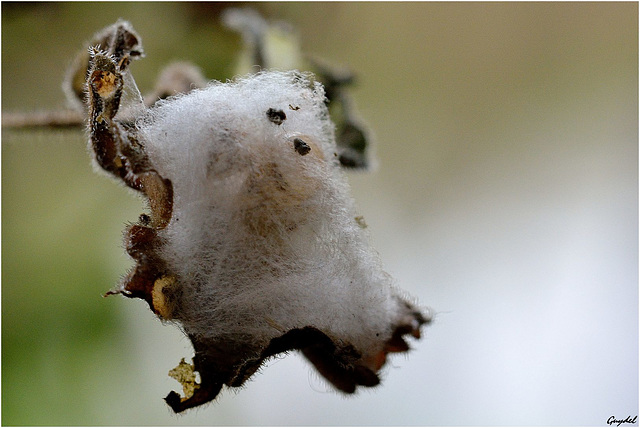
263, 237
251, 244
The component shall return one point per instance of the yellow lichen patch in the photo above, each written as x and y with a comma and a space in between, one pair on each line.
105, 83
360, 220
159, 298
185, 374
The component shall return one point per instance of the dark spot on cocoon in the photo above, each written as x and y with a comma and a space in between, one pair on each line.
276, 116
301, 147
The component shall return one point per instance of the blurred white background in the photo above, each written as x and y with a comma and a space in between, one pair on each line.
506, 199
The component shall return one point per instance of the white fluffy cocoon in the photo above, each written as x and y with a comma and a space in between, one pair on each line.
263, 239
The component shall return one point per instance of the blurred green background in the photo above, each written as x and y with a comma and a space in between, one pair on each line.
506, 199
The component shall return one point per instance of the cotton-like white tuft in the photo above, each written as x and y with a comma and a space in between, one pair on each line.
252, 244
264, 239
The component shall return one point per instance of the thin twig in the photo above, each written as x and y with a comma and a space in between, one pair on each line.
49, 119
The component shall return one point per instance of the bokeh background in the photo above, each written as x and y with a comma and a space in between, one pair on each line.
506, 199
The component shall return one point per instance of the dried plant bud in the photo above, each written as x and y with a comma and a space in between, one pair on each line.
352, 135
119, 40
252, 244
177, 78
268, 45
